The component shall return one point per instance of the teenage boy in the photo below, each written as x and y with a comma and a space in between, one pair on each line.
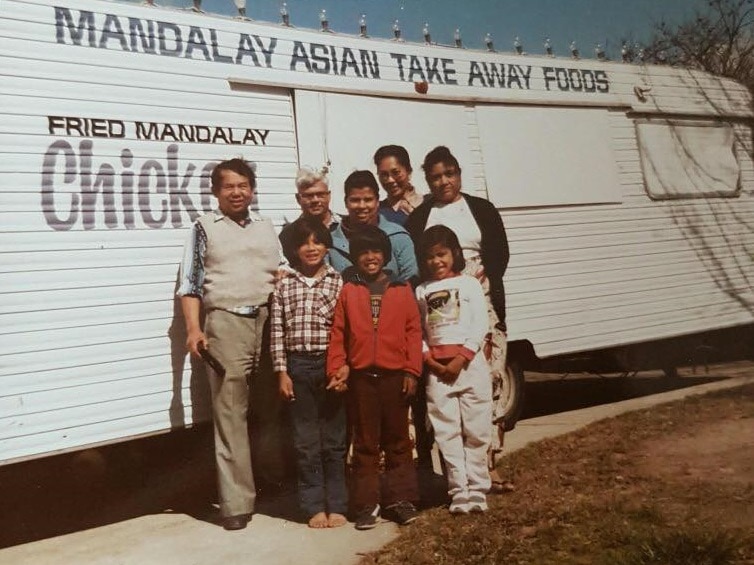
302, 311
376, 353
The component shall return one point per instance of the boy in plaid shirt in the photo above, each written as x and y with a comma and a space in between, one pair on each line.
302, 311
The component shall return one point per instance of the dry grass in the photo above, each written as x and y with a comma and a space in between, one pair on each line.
600, 495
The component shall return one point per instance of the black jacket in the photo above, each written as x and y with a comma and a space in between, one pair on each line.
494, 249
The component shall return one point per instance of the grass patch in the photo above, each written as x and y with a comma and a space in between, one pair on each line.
603, 495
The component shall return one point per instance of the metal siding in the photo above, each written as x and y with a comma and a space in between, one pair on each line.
586, 277
92, 341
92, 346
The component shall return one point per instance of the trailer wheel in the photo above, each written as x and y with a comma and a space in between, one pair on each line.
512, 394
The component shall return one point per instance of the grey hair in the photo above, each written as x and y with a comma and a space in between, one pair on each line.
309, 177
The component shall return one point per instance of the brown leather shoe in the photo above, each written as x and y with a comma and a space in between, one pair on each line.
238, 522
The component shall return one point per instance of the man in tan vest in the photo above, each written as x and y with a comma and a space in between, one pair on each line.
229, 266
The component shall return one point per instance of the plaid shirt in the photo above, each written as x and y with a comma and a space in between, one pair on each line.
301, 315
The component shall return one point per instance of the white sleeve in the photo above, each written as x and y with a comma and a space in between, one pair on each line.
479, 324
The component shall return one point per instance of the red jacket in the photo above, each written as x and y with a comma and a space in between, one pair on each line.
396, 343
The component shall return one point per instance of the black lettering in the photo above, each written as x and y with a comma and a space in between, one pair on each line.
432, 72
448, 71
74, 124
186, 133
205, 180
369, 59
320, 63
177, 48
349, 61
144, 133
249, 136
334, 59
562, 77
148, 39
526, 74
219, 134
167, 130
494, 74
127, 188
49, 166
55, 122
263, 133
603, 84
64, 19
116, 128
549, 77
179, 194
112, 30
299, 56
399, 59
475, 73
513, 76
99, 127
246, 49
216, 55
267, 51
415, 69
104, 180
196, 41
577, 85
202, 134
589, 82
145, 205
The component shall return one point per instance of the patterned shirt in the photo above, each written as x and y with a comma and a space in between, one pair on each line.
301, 314
192, 267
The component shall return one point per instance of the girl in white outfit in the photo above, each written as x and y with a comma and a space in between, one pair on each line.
459, 390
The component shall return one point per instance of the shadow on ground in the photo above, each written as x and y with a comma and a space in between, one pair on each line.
65, 493
174, 472
553, 394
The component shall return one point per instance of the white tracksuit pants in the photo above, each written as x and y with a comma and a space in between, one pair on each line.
460, 413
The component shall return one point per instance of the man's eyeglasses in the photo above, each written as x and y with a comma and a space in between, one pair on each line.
312, 195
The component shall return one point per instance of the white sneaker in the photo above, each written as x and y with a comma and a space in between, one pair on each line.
460, 504
477, 502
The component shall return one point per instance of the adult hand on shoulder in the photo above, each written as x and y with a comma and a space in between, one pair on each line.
285, 386
195, 341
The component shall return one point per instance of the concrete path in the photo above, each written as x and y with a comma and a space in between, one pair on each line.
168, 538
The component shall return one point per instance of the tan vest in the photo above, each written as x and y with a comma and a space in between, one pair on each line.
240, 263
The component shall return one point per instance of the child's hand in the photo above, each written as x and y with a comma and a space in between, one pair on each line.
409, 385
454, 368
285, 386
437, 368
338, 380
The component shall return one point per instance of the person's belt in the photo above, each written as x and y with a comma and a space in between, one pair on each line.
247, 311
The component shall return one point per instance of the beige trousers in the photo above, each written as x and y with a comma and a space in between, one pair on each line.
236, 341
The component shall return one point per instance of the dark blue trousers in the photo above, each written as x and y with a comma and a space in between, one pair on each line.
319, 436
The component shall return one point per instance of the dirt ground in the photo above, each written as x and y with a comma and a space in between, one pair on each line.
672, 484
719, 454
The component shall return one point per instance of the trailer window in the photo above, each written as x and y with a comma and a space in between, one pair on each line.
546, 156
688, 158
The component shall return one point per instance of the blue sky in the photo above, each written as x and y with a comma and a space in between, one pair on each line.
586, 21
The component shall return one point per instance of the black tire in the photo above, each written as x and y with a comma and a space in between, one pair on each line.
512, 394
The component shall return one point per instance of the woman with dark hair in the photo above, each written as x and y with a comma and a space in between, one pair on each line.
480, 231
394, 173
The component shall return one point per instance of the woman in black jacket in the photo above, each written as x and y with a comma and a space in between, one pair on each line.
481, 233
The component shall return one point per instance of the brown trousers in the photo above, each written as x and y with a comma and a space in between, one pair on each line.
378, 414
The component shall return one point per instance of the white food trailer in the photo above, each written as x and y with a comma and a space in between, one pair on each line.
627, 192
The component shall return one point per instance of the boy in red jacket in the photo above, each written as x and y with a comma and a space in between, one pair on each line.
375, 353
